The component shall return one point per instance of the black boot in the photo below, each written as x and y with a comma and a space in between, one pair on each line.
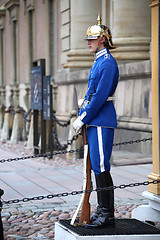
105, 211
96, 214
98, 211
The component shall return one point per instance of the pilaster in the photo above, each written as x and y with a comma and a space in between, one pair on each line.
13, 6
81, 18
130, 26
155, 11
2, 18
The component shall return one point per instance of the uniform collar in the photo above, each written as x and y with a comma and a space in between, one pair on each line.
101, 52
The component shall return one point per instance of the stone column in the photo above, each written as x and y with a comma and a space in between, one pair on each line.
2, 105
2, 25
8, 117
155, 8
83, 14
130, 26
30, 144
19, 124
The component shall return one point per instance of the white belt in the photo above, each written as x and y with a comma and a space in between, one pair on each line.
111, 99
86, 102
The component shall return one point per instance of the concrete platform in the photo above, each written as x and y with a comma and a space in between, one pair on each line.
124, 229
150, 212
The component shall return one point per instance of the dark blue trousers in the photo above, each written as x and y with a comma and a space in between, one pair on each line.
100, 141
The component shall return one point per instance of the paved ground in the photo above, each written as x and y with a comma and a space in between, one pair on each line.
29, 178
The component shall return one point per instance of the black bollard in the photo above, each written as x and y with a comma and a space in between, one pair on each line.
1, 225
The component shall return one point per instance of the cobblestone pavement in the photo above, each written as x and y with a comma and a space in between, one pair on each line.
35, 220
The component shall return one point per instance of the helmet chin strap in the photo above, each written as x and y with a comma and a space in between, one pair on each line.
99, 44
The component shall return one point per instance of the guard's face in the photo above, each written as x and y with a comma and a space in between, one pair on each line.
92, 43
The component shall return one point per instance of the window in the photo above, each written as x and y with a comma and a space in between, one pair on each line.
15, 51
31, 48
1, 57
13, 8
51, 14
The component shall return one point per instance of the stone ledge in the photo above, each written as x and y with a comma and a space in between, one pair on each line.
136, 124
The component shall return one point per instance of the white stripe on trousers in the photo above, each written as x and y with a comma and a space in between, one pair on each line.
100, 145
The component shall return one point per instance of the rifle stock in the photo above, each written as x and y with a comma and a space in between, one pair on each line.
85, 211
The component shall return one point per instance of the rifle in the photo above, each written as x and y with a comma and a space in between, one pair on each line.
85, 211
84, 201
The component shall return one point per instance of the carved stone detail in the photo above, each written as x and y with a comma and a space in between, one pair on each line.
13, 7
2, 19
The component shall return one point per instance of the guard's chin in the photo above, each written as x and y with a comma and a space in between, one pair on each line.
92, 51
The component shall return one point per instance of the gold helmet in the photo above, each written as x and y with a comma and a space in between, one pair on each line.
99, 30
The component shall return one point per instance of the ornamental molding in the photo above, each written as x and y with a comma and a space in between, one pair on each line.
29, 5
155, 3
13, 7
2, 19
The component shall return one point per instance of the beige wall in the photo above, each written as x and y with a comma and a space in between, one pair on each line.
40, 30
40, 39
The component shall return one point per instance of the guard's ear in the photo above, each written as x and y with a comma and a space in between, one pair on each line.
103, 39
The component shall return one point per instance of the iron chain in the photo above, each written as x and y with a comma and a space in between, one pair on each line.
25, 115
11, 109
62, 124
49, 155
65, 194
122, 186
133, 141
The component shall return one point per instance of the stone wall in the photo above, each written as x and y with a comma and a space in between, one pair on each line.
133, 105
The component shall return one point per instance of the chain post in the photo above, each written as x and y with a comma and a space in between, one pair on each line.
1, 224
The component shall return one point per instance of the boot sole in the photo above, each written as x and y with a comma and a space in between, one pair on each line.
108, 222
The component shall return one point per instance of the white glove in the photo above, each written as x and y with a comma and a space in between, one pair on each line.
77, 124
80, 101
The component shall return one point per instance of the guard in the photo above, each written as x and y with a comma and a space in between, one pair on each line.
97, 111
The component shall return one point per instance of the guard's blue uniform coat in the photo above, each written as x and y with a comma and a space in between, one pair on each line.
102, 82
100, 114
